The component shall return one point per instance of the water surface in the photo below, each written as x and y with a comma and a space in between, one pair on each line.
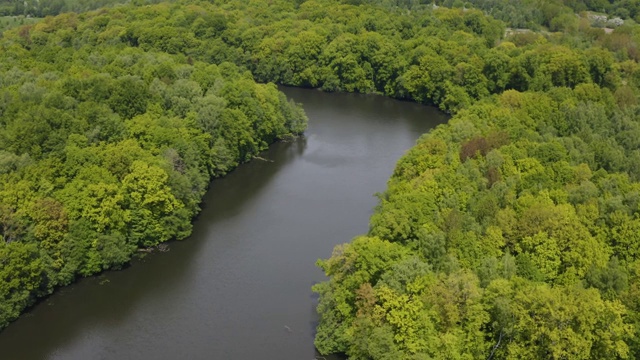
240, 287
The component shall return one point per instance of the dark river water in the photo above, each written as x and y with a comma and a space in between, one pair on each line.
240, 287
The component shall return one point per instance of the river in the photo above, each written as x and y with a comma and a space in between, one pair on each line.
240, 286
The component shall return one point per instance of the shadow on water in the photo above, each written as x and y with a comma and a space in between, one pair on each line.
93, 302
228, 195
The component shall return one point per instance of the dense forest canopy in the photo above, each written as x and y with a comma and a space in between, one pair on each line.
510, 232
528, 13
42, 8
107, 147
556, 15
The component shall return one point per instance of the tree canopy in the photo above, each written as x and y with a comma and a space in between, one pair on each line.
510, 232
107, 147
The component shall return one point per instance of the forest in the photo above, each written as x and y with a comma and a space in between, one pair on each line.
106, 148
513, 231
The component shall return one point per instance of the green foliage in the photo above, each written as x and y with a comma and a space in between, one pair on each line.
106, 147
566, 235
519, 216
25, 11
510, 232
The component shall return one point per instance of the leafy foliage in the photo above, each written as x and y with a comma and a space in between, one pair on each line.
510, 232
516, 221
105, 148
